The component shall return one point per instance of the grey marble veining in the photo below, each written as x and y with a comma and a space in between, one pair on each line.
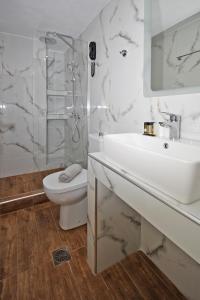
136, 12
103, 34
16, 92
125, 36
30, 142
124, 85
114, 13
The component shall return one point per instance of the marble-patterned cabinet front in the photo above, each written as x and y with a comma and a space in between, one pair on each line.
118, 228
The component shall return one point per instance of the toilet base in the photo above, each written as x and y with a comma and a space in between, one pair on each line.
72, 216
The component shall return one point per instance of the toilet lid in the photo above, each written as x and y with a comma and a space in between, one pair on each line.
52, 183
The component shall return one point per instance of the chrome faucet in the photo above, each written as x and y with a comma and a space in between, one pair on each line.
174, 124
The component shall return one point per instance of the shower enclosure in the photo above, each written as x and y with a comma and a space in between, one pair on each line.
43, 102
66, 99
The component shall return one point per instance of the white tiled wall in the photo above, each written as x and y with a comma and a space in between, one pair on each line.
116, 92
25, 137
117, 105
16, 92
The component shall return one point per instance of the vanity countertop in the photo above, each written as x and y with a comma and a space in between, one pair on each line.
191, 211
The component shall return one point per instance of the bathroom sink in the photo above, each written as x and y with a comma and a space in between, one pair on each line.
172, 167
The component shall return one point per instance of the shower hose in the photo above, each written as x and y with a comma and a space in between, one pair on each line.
75, 131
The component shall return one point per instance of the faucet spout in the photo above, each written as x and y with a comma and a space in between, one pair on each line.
174, 124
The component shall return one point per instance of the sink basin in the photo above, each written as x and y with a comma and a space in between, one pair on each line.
172, 167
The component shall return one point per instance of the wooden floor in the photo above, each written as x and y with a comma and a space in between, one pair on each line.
17, 185
27, 239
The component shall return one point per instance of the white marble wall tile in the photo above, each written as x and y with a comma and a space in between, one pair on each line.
39, 101
117, 103
16, 92
56, 140
56, 70
116, 89
30, 140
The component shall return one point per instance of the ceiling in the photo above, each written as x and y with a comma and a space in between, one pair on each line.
166, 13
25, 17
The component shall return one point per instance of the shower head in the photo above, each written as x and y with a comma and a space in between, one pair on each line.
48, 40
63, 38
52, 40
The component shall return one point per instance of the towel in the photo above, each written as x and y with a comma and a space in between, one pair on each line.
69, 173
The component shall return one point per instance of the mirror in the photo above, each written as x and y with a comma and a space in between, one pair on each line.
172, 47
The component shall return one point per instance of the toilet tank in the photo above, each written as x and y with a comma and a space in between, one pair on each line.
95, 143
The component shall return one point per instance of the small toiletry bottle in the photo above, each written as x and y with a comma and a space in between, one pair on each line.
149, 128
146, 128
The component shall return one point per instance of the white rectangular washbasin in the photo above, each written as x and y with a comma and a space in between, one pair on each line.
172, 167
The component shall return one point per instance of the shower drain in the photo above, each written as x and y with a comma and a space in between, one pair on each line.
60, 255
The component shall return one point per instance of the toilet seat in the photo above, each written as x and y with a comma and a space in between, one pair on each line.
52, 183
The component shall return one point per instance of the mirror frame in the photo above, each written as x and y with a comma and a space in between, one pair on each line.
148, 92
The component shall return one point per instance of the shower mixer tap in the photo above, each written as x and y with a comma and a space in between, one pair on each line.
76, 116
2, 108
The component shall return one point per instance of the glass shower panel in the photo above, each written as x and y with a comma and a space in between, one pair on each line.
56, 71
43, 87
16, 102
76, 130
66, 69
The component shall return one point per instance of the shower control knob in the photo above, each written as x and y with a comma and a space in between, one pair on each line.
2, 108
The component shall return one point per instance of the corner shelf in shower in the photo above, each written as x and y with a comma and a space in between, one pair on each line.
59, 93
58, 116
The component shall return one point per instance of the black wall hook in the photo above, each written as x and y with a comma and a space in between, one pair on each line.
124, 52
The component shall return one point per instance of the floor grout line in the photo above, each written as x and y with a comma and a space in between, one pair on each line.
132, 280
55, 224
155, 272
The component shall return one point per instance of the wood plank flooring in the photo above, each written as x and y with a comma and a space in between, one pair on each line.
27, 239
22, 191
25, 183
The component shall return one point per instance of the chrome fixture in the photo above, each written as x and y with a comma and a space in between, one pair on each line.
100, 134
63, 38
3, 108
75, 131
52, 41
47, 40
174, 125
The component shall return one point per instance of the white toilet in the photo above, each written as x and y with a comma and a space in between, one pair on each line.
72, 198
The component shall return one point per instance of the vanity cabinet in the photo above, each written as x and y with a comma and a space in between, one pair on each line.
120, 216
